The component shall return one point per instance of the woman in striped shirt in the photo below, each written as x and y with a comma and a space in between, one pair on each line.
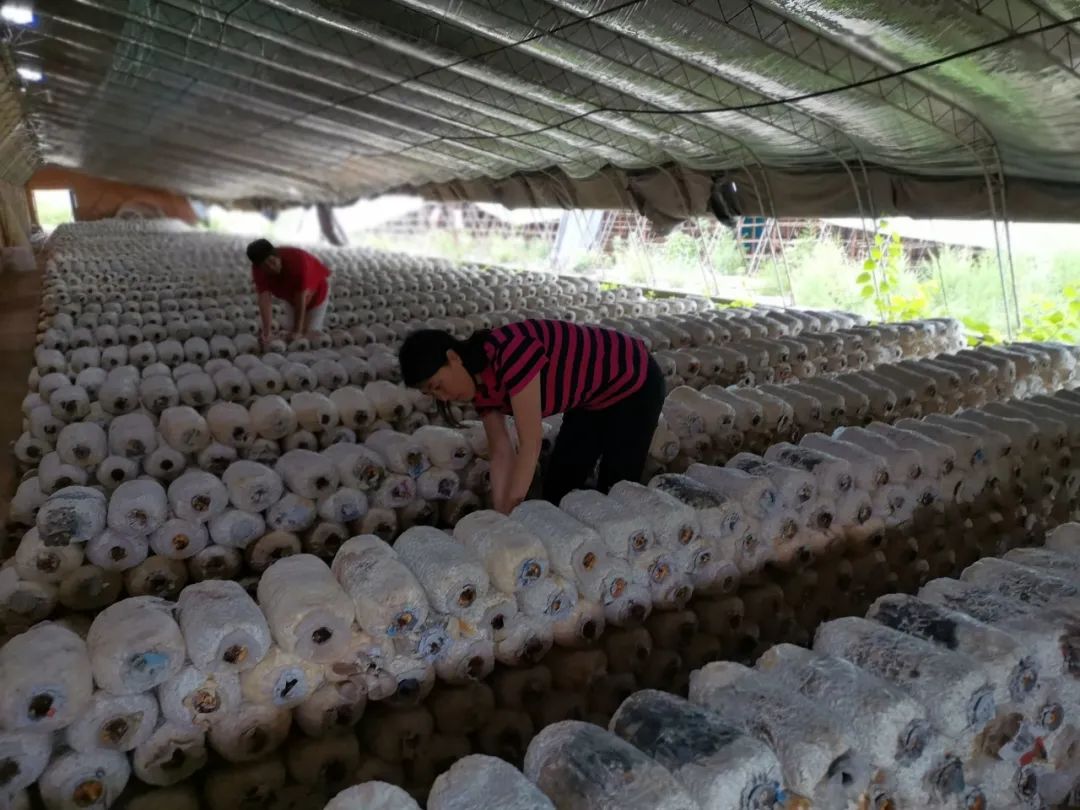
605, 382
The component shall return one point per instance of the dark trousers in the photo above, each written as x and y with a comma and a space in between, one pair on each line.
618, 437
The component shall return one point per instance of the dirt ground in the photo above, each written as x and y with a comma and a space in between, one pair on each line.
19, 294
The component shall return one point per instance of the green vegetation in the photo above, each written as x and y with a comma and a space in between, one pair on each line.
53, 208
813, 272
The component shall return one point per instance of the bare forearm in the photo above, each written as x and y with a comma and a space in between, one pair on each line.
523, 472
502, 467
265, 312
300, 321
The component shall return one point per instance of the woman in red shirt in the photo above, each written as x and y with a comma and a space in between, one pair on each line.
297, 278
605, 382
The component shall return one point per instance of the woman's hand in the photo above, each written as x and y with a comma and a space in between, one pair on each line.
527, 419
512, 472
502, 466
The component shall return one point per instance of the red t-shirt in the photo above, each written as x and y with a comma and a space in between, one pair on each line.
299, 271
580, 366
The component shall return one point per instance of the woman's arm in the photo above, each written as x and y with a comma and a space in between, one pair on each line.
527, 419
500, 454
300, 313
266, 304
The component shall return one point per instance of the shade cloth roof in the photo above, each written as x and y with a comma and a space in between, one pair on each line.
639, 103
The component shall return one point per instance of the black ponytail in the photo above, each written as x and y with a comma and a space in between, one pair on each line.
423, 353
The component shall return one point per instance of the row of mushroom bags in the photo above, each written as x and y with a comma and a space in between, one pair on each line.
255, 579
880, 711
963, 695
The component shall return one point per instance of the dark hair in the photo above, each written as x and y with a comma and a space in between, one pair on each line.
423, 353
259, 251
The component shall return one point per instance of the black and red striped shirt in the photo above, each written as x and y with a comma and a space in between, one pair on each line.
580, 366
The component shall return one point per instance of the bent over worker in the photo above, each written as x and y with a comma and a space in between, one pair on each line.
295, 277
605, 382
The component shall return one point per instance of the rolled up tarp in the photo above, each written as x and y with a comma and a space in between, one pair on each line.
437, 484
344, 505
236, 529
137, 507
308, 474
36, 562
252, 732
89, 588
281, 680
271, 417
396, 491
308, 612
293, 513
625, 535
582, 626
478, 780
550, 598
580, 766
327, 763
373, 796
388, 598
332, 708
888, 724
248, 783
178, 797
184, 429
135, 645
197, 496
22, 603
675, 524
451, 575
1014, 675
524, 639
359, 466
24, 756
816, 760
447, 448
404, 454
114, 722
71, 515
196, 699
46, 676
716, 764
574, 550
158, 576
957, 688
252, 487
179, 539
170, 755
515, 558
75, 779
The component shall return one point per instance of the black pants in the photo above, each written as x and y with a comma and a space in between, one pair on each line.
618, 437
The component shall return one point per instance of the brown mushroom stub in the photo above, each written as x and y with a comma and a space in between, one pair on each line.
588, 561
467, 596
88, 793
205, 701
41, 707
9, 769
236, 654
180, 541
256, 740
200, 503
113, 732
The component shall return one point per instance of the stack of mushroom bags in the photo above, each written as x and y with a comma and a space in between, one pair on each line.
963, 696
159, 688
634, 589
